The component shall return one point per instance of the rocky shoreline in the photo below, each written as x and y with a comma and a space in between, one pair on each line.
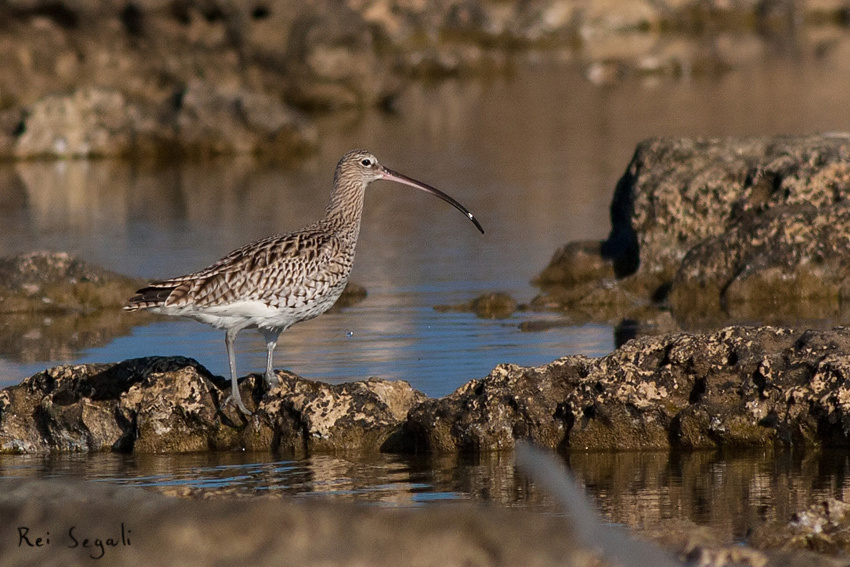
702, 231
738, 387
699, 228
186, 79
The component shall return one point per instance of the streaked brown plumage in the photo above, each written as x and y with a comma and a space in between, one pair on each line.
276, 282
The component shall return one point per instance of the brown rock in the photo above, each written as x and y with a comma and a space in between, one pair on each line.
713, 223
89, 122
493, 305
331, 61
576, 263
56, 281
212, 120
822, 527
207, 120
314, 416
738, 387
171, 404
789, 253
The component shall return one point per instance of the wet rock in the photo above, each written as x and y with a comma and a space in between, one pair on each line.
125, 64
823, 527
494, 305
642, 322
788, 253
538, 325
57, 282
712, 223
576, 263
699, 545
55, 305
738, 387
171, 404
313, 416
602, 300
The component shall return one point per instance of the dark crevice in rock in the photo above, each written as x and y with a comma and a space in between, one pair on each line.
622, 246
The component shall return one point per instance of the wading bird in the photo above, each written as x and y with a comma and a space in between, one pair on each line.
276, 282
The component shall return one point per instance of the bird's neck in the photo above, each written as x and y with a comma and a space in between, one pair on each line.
345, 207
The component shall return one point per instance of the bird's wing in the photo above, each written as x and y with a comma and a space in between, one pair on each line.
268, 270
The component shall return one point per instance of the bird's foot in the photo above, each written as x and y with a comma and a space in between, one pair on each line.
271, 379
237, 401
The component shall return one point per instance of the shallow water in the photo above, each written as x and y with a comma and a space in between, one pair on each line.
731, 493
534, 155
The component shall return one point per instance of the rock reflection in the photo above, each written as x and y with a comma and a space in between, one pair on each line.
816, 313
730, 493
33, 337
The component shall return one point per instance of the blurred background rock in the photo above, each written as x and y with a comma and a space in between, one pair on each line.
182, 77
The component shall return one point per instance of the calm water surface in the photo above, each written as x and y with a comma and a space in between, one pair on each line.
534, 155
732, 493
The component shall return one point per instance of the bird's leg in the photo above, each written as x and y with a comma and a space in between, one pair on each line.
234, 396
271, 342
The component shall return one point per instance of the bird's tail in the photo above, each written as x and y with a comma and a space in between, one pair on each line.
148, 297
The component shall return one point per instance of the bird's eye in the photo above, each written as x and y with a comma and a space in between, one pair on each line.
366, 162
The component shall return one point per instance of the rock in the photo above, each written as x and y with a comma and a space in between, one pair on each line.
88, 78
89, 122
207, 120
738, 387
494, 305
170, 404
313, 416
784, 254
331, 61
823, 528
58, 282
55, 305
284, 532
648, 321
576, 263
491, 413
712, 223
699, 545
539, 325
212, 120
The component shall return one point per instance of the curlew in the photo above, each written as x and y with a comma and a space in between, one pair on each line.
273, 283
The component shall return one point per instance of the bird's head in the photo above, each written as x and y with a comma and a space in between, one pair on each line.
360, 167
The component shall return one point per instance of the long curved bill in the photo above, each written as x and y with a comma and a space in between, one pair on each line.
399, 178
